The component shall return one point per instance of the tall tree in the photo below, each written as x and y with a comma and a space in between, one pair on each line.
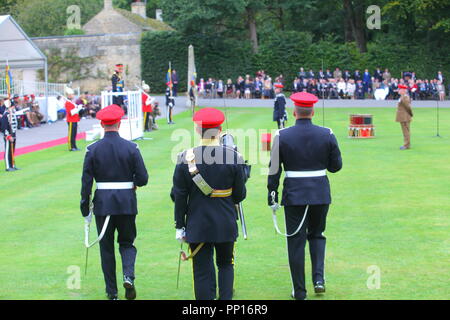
355, 17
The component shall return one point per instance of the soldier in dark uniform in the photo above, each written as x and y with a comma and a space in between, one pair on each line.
279, 109
8, 126
118, 169
305, 151
205, 213
170, 103
118, 84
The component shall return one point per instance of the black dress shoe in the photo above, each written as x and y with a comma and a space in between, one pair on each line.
112, 296
130, 290
15, 168
293, 296
10, 170
74, 149
319, 287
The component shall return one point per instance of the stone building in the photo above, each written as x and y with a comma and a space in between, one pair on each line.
111, 37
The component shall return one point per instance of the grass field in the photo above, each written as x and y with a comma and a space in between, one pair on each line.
391, 209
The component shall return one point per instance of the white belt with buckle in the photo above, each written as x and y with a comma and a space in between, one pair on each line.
306, 174
114, 185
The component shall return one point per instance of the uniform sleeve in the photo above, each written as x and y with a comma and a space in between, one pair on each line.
275, 169
180, 194
87, 177
239, 190
114, 83
407, 105
335, 159
140, 178
4, 124
282, 106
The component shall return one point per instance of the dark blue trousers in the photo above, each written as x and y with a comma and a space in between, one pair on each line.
126, 229
311, 230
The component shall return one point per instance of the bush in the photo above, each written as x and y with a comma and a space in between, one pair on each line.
280, 53
214, 57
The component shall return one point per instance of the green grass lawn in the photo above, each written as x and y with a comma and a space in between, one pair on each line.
391, 209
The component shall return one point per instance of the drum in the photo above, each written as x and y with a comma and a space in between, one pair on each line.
361, 126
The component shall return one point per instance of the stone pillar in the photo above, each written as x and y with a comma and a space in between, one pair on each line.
158, 15
139, 8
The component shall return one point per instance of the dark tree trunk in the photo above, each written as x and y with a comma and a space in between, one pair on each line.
348, 36
281, 17
355, 16
251, 22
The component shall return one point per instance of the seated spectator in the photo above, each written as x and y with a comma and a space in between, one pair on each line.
332, 89
220, 89
342, 89
351, 87
360, 91
258, 87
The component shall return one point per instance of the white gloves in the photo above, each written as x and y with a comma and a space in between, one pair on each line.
88, 218
180, 235
76, 110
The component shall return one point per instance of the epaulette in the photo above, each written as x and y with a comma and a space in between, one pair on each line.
331, 130
87, 147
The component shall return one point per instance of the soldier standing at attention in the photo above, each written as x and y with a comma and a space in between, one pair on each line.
208, 182
118, 84
72, 118
170, 103
404, 115
118, 169
279, 109
147, 109
8, 126
306, 152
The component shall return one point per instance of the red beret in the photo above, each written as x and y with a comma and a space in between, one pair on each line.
110, 115
209, 118
304, 99
32, 95
26, 98
279, 85
402, 86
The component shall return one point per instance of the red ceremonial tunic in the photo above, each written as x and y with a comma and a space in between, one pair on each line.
69, 117
146, 107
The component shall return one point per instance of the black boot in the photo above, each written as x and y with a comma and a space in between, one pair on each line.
130, 290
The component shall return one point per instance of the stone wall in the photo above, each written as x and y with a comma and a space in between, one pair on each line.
107, 50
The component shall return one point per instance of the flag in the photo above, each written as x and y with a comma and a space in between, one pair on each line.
169, 77
8, 79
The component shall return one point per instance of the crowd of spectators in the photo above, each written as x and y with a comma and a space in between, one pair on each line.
27, 110
91, 105
338, 84
29, 115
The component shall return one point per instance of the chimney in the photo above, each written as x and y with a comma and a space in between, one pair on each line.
108, 5
158, 15
138, 7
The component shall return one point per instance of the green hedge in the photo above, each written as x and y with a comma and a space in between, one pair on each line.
214, 57
281, 53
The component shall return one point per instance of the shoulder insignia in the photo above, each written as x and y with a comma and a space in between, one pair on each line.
91, 144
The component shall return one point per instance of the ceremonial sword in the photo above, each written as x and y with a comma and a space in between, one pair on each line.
87, 225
